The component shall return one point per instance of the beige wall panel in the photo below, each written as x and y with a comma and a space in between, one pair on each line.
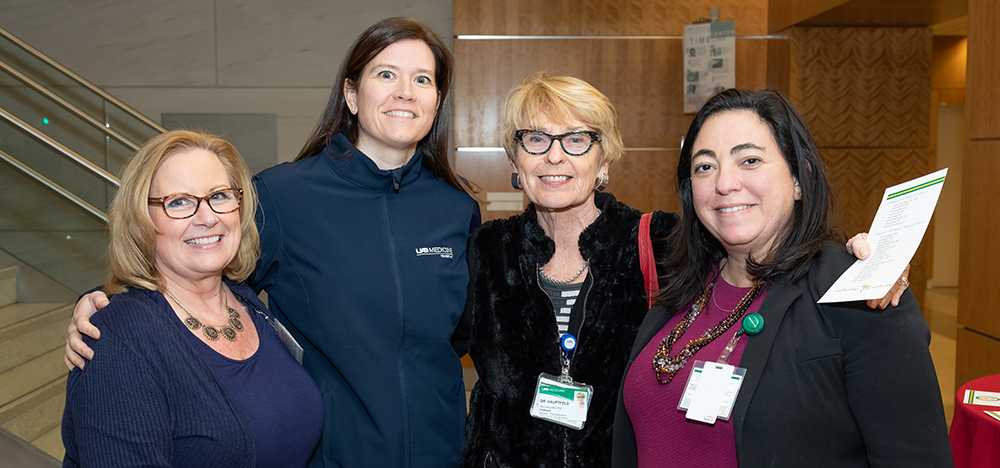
984, 69
978, 277
640, 76
602, 18
645, 180
975, 356
867, 87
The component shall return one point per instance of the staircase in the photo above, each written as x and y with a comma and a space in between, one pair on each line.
61, 140
32, 373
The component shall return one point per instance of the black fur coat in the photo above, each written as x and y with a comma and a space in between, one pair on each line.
514, 336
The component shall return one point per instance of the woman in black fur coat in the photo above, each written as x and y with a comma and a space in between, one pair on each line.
569, 263
571, 242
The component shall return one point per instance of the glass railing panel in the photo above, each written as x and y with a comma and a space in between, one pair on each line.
92, 103
52, 235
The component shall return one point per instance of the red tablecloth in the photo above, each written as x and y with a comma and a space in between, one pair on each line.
975, 436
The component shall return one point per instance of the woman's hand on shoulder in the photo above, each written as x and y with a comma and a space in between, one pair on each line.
77, 352
859, 247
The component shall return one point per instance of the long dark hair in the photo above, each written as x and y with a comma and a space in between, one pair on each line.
337, 118
802, 237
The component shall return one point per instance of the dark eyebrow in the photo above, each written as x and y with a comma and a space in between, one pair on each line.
397, 68
745, 146
706, 152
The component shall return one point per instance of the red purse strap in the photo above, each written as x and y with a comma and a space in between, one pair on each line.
647, 263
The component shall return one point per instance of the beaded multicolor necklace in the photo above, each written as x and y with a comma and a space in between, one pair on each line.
664, 363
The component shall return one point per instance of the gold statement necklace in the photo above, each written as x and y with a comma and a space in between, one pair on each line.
212, 332
665, 365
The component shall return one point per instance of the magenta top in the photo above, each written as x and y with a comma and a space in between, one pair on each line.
663, 436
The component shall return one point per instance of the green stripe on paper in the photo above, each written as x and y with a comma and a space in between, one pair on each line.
915, 188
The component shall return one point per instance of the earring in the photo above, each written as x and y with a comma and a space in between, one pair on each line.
602, 182
515, 181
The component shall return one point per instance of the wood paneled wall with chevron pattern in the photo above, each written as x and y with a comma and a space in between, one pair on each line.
865, 93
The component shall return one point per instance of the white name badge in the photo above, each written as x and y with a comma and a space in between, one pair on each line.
564, 403
710, 391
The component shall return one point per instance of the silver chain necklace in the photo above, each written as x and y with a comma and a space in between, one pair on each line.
541, 273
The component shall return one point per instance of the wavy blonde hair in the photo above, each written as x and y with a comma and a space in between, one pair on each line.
561, 98
131, 232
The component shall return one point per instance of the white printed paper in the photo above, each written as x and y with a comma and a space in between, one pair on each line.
895, 234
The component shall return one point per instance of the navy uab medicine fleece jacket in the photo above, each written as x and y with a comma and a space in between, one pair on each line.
367, 270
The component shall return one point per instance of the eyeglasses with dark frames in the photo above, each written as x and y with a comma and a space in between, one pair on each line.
183, 205
575, 143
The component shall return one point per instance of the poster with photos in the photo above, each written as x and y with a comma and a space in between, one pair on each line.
709, 62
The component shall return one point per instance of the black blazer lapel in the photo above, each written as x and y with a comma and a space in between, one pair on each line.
777, 302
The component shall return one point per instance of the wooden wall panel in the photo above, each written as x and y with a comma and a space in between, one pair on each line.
490, 171
975, 356
641, 77
646, 180
859, 177
978, 294
864, 87
865, 93
884, 13
948, 62
782, 14
779, 57
983, 73
601, 17
643, 180
979, 353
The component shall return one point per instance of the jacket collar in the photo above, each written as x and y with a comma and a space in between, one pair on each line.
353, 165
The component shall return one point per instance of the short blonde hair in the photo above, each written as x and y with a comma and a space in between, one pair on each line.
131, 232
561, 98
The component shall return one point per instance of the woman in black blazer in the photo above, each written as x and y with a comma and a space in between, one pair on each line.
815, 385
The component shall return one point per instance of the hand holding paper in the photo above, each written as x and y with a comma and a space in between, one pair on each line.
895, 234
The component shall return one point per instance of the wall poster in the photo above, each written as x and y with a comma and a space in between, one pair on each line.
709, 62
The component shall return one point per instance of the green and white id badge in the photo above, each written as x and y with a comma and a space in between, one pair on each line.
710, 391
561, 401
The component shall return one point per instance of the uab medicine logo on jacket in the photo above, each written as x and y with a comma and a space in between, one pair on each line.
444, 252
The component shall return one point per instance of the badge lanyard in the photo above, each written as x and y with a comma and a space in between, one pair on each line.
560, 399
712, 387
293, 346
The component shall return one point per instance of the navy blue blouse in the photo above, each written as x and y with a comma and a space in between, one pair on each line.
278, 397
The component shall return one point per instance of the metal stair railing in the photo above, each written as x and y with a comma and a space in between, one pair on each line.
61, 150
81, 81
